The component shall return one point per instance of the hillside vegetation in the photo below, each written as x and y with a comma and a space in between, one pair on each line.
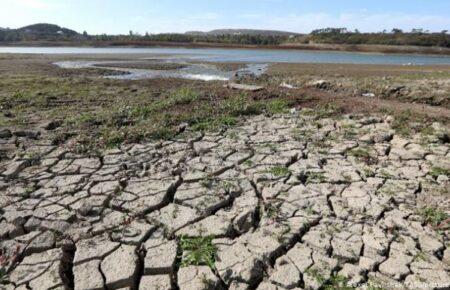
397, 37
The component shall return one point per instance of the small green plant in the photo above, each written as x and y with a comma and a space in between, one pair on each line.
368, 172
277, 106
2, 273
315, 177
279, 171
337, 282
385, 174
316, 275
163, 134
434, 216
113, 139
359, 152
207, 181
438, 171
30, 189
233, 135
403, 120
271, 210
420, 256
363, 154
325, 111
183, 96
248, 162
198, 251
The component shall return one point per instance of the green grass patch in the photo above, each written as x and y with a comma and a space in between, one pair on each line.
402, 124
324, 111
279, 171
103, 113
198, 251
364, 154
183, 96
337, 282
277, 106
315, 177
433, 216
438, 171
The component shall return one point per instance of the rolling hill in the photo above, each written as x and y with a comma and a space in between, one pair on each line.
242, 32
38, 32
45, 29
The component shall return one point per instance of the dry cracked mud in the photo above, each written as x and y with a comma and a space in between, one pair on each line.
292, 201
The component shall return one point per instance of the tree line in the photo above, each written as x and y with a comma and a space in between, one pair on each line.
417, 37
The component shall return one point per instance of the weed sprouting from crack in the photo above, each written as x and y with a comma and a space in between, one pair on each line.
198, 251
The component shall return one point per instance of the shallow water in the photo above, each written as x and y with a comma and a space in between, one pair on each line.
247, 55
206, 72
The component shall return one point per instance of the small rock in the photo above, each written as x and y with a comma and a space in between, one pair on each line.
320, 84
52, 125
287, 86
28, 134
5, 133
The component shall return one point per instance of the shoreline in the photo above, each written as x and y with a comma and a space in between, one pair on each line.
371, 49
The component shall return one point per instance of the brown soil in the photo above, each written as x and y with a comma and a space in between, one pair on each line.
353, 70
40, 65
312, 97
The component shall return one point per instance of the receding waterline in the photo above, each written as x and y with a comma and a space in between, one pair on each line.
193, 71
248, 55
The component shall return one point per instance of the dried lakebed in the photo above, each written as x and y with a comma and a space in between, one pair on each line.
294, 201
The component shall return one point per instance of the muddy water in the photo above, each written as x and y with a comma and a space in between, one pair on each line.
247, 55
206, 72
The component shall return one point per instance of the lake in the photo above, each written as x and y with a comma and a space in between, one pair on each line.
247, 55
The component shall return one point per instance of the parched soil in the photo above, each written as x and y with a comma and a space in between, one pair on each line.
297, 200
179, 184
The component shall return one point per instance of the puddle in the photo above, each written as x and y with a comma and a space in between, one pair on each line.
205, 72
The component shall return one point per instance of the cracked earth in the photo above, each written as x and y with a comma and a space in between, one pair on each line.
291, 201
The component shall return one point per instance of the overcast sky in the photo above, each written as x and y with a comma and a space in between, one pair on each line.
155, 16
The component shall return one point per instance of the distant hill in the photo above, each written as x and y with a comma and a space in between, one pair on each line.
243, 32
45, 29
39, 32
317, 39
